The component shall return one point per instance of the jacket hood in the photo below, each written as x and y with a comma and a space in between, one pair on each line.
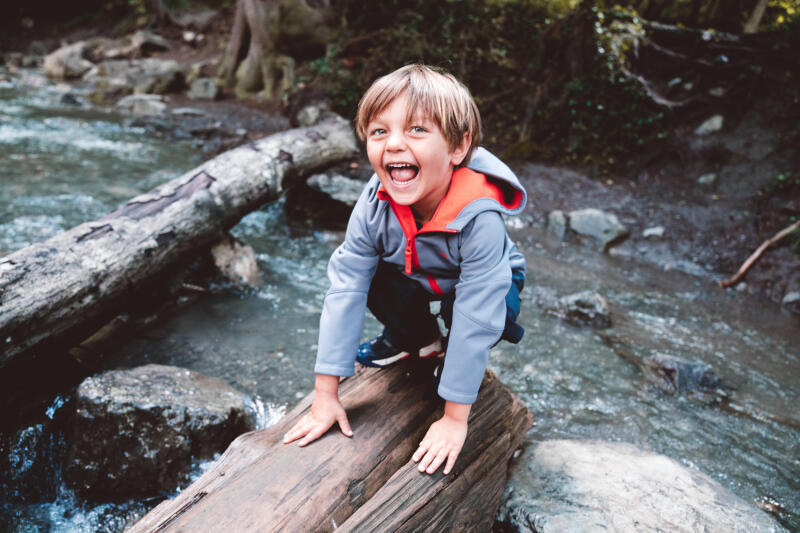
501, 192
484, 184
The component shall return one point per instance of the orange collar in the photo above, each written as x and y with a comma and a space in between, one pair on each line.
466, 185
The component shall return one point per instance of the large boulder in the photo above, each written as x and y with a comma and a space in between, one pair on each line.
137, 431
603, 228
68, 62
564, 486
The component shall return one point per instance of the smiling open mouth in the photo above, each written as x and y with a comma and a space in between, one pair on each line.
402, 174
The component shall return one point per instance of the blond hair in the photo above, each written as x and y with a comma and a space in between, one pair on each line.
435, 92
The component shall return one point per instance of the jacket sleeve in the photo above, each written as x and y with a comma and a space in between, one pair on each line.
350, 271
479, 312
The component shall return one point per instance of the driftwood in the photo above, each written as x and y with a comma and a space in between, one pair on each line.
755, 255
364, 483
58, 292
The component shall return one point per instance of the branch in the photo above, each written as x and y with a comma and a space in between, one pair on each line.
753, 258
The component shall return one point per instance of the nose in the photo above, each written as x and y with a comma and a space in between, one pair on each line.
396, 141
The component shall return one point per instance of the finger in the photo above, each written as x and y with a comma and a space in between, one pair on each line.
344, 425
423, 447
451, 460
314, 434
437, 461
429, 457
298, 430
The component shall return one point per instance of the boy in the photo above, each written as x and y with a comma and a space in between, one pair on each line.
427, 227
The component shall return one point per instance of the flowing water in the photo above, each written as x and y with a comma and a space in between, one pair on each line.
62, 165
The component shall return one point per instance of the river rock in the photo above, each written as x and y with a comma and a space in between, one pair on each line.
67, 62
707, 179
675, 375
203, 89
654, 232
136, 45
566, 486
199, 20
236, 261
150, 75
586, 308
136, 431
711, 125
340, 188
603, 228
557, 223
143, 104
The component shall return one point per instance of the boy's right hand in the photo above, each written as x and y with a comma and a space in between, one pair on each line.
325, 410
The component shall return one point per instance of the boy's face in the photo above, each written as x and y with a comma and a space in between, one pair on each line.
412, 159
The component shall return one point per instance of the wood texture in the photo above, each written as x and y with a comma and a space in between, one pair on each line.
366, 483
60, 291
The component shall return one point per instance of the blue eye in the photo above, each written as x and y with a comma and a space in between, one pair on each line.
377, 131
417, 129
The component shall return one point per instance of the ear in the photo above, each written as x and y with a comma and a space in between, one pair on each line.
457, 155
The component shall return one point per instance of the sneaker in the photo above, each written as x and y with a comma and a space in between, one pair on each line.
379, 352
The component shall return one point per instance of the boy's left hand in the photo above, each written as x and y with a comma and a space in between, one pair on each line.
444, 440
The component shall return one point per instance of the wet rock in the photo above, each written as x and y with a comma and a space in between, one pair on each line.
791, 301
340, 188
69, 99
143, 104
585, 308
654, 232
603, 228
571, 486
675, 375
67, 62
149, 75
707, 179
557, 223
199, 20
203, 89
236, 261
711, 125
136, 431
188, 111
136, 45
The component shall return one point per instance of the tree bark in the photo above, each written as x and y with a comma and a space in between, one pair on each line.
56, 293
751, 26
365, 483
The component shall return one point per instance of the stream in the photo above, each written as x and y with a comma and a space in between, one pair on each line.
62, 164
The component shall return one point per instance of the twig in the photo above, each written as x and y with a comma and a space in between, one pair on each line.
753, 258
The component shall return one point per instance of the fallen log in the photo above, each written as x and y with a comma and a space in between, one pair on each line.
364, 483
58, 292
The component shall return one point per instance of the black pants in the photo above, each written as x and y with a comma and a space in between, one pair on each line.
403, 307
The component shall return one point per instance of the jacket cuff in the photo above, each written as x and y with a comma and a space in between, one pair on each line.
459, 397
334, 370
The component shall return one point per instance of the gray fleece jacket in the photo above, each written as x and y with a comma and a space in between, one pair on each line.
463, 248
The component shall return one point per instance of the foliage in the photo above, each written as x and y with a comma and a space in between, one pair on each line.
723, 15
507, 52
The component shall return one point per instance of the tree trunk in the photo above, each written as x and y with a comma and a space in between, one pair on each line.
56, 293
751, 26
364, 483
